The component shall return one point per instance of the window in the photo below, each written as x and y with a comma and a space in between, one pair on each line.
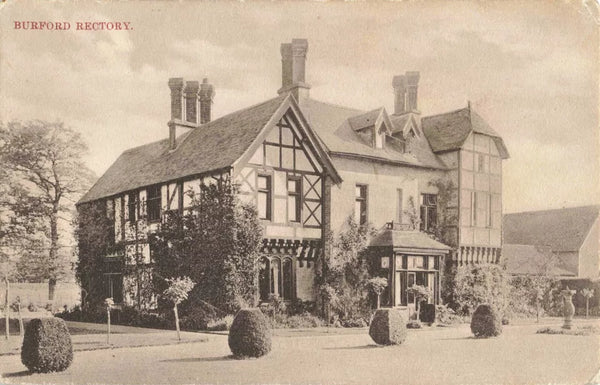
360, 204
153, 203
294, 186
288, 287
264, 197
114, 286
416, 262
482, 163
132, 205
428, 212
481, 209
276, 278
110, 215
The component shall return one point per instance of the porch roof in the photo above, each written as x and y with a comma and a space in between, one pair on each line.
408, 240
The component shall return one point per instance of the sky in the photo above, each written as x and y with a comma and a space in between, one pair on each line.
529, 68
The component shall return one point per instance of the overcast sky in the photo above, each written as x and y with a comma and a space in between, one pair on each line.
529, 68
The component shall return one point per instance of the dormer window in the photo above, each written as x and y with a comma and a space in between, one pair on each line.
380, 137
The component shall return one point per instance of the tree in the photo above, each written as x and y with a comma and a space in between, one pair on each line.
216, 243
344, 287
529, 292
45, 160
480, 284
419, 293
93, 244
176, 293
587, 294
378, 285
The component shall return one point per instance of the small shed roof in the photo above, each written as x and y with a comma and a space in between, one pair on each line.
409, 240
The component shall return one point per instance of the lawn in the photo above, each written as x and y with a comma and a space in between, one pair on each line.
90, 336
429, 356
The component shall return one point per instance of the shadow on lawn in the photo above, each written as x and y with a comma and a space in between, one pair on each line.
461, 338
361, 347
203, 359
22, 373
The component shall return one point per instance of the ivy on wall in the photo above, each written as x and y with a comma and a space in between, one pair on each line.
216, 243
94, 243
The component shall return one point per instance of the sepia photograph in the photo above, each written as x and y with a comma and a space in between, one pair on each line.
307, 192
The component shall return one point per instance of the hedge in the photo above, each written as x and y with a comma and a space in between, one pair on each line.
486, 322
387, 327
47, 345
250, 334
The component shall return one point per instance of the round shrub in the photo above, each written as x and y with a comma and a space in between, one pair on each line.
387, 327
427, 313
250, 335
47, 345
486, 322
414, 324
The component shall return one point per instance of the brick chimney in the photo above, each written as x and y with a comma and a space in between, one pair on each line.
176, 86
191, 101
293, 69
405, 92
207, 93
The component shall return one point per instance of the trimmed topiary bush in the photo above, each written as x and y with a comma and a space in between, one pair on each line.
486, 322
250, 334
47, 345
427, 313
388, 327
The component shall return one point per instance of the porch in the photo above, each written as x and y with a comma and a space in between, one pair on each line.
407, 258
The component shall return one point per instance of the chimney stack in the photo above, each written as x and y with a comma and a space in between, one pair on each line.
176, 86
405, 92
207, 92
191, 101
293, 69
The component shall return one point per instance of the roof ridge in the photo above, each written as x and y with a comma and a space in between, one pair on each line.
597, 206
338, 106
445, 113
186, 134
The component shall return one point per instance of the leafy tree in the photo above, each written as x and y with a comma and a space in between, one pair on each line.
93, 244
378, 285
216, 243
344, 287
419, 293
531, 292
480, 284
176, 293
587, 294
46, 166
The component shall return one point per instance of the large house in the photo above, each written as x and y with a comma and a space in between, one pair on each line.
567, 240
309, 165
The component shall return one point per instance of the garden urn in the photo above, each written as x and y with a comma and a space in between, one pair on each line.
568, 307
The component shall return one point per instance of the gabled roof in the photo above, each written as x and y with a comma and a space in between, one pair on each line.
529, 259
212, 146
332, 125
449, 131
562, 230
415, 240
369, 119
